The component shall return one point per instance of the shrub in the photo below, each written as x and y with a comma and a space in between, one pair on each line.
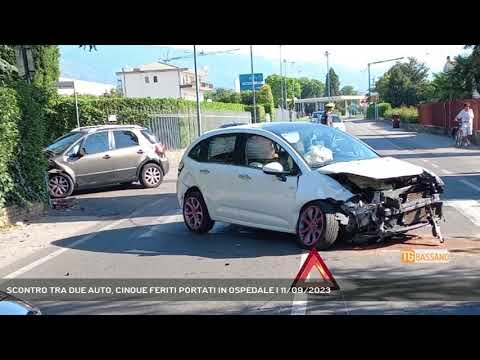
407, 114
382, 108
260, 110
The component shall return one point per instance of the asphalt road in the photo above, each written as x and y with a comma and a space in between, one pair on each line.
142, 235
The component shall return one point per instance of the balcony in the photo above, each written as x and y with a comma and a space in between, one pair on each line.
203, 85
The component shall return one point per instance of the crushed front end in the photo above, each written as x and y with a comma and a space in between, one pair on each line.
382, 208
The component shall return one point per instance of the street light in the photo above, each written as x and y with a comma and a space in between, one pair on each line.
253, 86
369, 86
327, 54
199, 120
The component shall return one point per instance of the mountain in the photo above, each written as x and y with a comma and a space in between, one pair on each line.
101, 65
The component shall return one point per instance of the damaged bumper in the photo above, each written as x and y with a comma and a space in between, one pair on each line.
391, 212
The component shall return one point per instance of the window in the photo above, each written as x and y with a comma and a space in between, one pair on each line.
64, 142
221, 149
150, 136
96, 143
147, 80
260, 151
155, 79
124, 139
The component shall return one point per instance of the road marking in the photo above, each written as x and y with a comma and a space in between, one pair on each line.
468, 183
469, 208
299, 307
425, 160
83, 239
435, 166
446, 171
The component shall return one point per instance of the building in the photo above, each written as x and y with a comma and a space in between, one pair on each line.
160, 80
65, 87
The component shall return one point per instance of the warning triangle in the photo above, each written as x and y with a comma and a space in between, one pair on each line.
315, 260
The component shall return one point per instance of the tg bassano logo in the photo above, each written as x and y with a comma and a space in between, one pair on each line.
422, 256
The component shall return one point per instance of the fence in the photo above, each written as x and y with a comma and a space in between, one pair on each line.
442, 114
285, 115
176, 131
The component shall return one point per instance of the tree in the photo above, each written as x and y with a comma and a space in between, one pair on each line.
265, 98
311, 88
404, 84
334, 83
276, 84
348, 90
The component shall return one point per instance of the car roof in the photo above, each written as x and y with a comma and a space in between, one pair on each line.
94, 128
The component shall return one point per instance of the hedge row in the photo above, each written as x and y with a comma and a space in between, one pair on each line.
22, 133
382, 108
94, 110
407, 114
260, 111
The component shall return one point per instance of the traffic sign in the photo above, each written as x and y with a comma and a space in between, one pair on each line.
246, 81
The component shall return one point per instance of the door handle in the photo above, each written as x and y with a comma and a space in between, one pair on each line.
205, 171
244, 177
107, 156
140, 151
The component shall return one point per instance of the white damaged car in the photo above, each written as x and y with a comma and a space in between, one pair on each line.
317, 182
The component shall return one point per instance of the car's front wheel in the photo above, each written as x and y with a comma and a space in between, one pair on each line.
195, 213
60, 186
317, 226
151, 176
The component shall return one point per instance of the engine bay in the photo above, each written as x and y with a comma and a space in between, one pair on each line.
384, 207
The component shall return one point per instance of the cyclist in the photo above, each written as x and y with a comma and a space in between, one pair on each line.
465, 119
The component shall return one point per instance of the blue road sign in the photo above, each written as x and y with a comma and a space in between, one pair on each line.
246, 81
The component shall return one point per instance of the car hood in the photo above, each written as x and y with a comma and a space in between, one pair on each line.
378, 168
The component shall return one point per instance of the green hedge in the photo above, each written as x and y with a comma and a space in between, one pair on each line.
407, 114
382, 108
260, 110
9, 137
22, 134
94, 110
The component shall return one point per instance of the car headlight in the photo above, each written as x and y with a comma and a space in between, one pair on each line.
438, 179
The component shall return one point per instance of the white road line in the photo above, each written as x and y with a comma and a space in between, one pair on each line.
299, 307
473, 186
83, 239
446, 171
435, 166
425, 160
469, 208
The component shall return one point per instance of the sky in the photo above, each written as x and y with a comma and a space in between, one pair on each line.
348, 61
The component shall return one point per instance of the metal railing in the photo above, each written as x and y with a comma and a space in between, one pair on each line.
177, 131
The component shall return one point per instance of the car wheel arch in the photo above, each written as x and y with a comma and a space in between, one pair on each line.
145, 163
196, 188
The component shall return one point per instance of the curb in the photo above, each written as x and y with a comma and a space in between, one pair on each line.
13, 214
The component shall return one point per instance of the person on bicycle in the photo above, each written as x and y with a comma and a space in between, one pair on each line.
326, 118
465, 118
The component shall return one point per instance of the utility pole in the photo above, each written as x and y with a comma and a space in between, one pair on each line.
285, 84
328, 73
281, 82
253, 86
369, 87
199, 120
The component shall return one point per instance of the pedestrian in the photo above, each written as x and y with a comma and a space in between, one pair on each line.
465, 117
326, 118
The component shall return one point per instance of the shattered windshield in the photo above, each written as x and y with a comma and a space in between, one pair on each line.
321, 145
64, 142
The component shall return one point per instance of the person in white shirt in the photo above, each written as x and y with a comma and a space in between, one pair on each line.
465, 117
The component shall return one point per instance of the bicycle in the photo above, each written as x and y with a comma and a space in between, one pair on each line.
460, 138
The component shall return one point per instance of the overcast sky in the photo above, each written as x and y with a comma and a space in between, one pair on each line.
354, 57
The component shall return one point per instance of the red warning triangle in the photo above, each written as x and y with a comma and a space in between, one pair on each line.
315, 260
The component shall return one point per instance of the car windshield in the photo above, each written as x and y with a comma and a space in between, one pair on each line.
323, 145
61, 144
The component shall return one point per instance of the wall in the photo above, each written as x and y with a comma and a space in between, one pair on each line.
166, 87
86, 88
442, 114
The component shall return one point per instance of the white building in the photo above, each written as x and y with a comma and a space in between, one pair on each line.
83, 87
159, 80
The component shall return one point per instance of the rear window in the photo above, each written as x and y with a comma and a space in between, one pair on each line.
150, 136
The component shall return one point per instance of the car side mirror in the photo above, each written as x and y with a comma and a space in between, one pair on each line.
275, 168
81, 152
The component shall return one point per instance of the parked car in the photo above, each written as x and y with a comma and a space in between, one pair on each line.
316, 116
337, 123
94, 156
306, 179
11, 305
